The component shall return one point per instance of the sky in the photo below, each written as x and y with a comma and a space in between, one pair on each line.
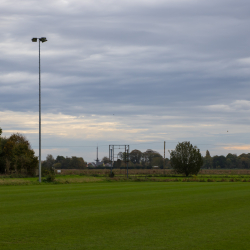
127, 72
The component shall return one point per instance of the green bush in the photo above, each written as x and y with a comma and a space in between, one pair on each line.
111, 175
50, 177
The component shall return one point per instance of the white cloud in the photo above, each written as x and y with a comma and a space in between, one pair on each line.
235, 106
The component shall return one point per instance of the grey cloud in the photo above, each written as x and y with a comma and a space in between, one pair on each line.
171, 58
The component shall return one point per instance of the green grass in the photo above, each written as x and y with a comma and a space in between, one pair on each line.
66, 179
126, 215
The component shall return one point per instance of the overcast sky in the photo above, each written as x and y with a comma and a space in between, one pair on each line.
127, 72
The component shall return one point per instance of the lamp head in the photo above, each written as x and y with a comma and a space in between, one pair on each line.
43, 39
34, 39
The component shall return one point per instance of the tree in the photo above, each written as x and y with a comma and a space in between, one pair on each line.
166, 163
208, 161
186, 158
232, 161
244, 161
123, 156
157, 161
18, 155
3, 141
219, 161
148, 156
50, 161
57, 165
105, 160
77, 163
117, 164
60, 159
135, 156
120, 156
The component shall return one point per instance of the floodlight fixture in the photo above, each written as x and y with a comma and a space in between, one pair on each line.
41, 39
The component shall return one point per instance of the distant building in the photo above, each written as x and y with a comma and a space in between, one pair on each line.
91, 164
99, 163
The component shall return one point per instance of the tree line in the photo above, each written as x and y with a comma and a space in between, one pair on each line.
148, 159
231, 161
138, 159
62, 162
151, 158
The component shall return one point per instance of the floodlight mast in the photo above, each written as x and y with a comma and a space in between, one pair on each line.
42, 39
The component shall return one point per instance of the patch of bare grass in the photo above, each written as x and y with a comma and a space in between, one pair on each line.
224, 172
78, 180
14, 181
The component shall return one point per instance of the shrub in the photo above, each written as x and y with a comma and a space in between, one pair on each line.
210, 180
111, 174
50, 177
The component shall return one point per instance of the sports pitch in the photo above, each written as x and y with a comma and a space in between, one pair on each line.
126, 215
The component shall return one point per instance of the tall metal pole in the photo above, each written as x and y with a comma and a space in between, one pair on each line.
40, 164
111, 161
109, 152
127, 161
164, 154
113, 155
41, 39
125, 157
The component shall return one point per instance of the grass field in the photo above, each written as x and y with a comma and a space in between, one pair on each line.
142, 175
126, 215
